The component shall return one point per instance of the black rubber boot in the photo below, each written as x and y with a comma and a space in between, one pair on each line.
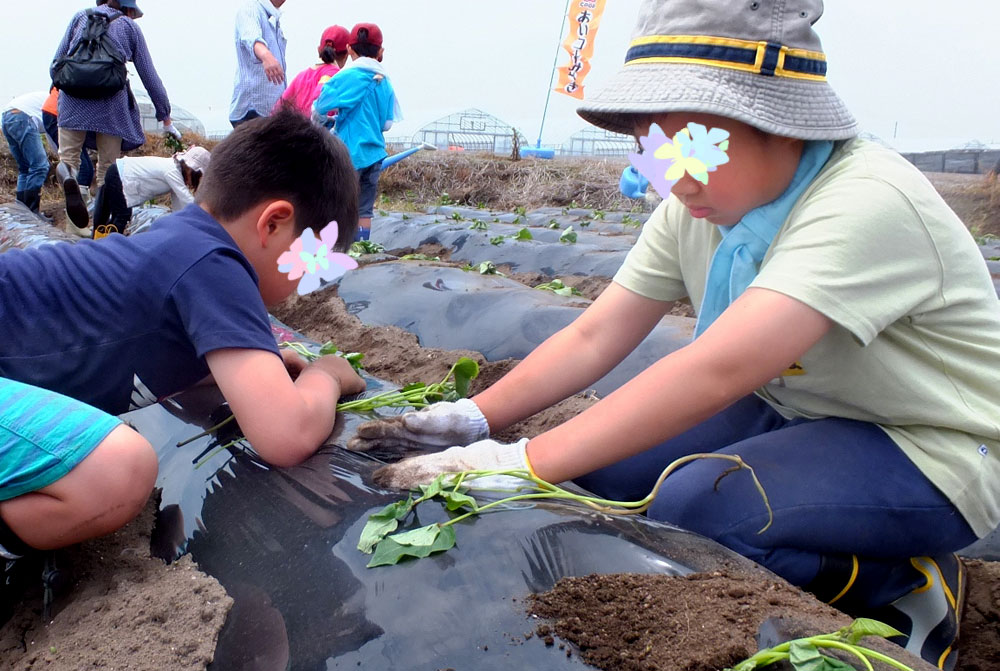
32, 198
19, 196
921, 597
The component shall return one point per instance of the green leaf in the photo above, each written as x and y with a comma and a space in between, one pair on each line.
382, 523
523, 234
497, 240
864, 626
431, 490
455, 500
355, 358
389, 551
419, 537
569, 235
553, 224
413, 386
464, 371
564, 291
328, 348
804, 656
488, 268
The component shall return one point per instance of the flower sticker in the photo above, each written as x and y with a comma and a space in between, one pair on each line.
694, 150
312, 260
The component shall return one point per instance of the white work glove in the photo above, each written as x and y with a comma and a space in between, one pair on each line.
440, 425
171, 129
485, 455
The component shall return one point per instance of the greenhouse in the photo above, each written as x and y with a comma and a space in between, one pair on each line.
470, 130
598, 142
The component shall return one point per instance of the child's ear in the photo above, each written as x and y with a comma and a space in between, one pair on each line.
276, 222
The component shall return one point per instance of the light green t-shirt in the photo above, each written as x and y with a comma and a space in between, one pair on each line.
915, 346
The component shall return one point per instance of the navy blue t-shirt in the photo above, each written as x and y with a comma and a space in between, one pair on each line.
122, 322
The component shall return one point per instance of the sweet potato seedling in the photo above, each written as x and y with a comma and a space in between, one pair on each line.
419, 257
453, 490
362, 247
568, 236
557, 287
454, 386
804, 654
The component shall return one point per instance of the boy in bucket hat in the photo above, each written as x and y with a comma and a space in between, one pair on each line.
847, 346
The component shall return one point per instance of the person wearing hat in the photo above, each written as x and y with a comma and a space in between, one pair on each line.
366, 106
115, 120
133, 180
260, 60
847, 344
305, 88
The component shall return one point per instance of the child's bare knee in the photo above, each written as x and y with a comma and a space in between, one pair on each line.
139, 459
129, 474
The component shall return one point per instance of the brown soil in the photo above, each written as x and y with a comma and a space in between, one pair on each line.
125, 610
980, 642
707, 621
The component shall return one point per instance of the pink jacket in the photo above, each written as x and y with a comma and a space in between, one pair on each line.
305, 88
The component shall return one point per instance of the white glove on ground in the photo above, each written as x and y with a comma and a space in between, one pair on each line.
439, 425
485, 455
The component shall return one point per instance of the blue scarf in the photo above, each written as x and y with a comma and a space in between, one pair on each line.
737, 259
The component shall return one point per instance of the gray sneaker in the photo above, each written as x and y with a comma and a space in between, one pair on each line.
930, 614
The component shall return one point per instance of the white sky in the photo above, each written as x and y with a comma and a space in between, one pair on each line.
927, 66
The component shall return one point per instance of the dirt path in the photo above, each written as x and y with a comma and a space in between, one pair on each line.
124, 610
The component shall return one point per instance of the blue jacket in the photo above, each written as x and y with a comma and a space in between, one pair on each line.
365, 102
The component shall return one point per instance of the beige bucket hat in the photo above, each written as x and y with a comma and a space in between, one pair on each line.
757, 61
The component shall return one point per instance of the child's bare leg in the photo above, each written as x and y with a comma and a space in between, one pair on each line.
101, 494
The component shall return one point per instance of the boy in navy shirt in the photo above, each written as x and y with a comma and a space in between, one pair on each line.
98, 328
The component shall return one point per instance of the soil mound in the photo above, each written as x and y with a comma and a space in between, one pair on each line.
125, 610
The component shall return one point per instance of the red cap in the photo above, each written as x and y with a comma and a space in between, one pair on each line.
374, 34
337, 36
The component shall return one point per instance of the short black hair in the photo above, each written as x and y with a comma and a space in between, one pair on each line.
284, 156
363, 47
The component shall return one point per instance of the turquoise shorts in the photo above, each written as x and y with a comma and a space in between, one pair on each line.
43, 436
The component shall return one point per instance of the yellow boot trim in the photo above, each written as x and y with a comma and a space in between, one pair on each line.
850, 581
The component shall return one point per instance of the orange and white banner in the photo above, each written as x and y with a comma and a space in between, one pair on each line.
584, 18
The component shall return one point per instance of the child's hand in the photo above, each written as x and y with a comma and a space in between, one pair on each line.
341, 370
484, 455
294, 363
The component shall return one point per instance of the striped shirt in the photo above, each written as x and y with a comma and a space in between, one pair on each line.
256, 21
119, 114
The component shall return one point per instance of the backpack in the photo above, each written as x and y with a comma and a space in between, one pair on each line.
94, 68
